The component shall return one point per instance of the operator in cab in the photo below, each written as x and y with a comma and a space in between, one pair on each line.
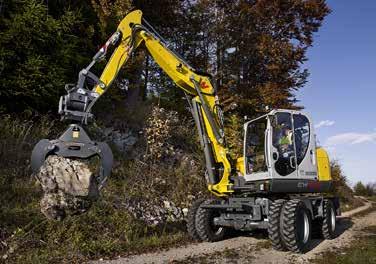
285, 141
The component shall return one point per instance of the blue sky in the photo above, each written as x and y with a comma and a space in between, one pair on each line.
341, 91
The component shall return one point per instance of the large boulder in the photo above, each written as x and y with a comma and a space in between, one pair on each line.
69, 187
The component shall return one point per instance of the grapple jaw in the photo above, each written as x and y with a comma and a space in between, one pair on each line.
74, 143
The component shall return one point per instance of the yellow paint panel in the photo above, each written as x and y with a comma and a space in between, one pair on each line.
240, 165
323, 165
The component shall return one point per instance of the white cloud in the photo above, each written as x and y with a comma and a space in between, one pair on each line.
351, 139
324, 123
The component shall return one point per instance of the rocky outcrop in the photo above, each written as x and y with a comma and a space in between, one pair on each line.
123, 141
155, 212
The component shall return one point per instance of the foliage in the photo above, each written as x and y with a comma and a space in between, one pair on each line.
17, 138
234, 135
257, 64
158, 130
39, 53
365, 190
341, 187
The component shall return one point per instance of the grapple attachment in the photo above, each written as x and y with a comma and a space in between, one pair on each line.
74, 143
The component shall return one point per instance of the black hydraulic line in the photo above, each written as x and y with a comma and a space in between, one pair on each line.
218, 135
205, 142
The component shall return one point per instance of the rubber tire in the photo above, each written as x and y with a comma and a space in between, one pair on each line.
274, 224
326, 227
204, 227
290, 224
191, 219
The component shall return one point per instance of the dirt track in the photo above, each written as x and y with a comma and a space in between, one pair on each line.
248, 249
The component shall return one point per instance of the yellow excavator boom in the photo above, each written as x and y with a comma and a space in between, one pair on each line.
133, 34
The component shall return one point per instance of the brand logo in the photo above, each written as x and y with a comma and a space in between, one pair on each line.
204, 85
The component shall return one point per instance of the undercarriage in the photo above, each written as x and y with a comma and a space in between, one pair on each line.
289, 219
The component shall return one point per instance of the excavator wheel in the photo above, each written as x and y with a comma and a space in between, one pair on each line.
274, 224
191, 219
296, 226
328, 226
205, 227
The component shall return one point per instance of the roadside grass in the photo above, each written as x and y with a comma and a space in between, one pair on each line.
362, 251
372, 198
365, 212
351, 204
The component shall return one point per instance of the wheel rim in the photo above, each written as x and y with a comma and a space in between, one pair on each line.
332, 219
217, 230
303, 227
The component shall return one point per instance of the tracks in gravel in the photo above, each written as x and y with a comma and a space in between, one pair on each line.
246, 249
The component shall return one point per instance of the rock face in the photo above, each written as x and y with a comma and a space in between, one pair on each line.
69, 187
123, 141
155, 212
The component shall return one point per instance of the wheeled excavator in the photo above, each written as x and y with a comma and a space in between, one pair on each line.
279, 184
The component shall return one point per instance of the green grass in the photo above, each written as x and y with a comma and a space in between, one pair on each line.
362, 251
372, 198
106, 230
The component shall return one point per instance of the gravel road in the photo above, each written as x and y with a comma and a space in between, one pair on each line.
250, 249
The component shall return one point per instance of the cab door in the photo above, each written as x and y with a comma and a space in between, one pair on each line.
255, 150
283, 154
305, 147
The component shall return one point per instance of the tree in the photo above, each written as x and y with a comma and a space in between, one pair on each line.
366, 190
360, 189
254, 48
260, 48
371, 189
340, 183
40, 51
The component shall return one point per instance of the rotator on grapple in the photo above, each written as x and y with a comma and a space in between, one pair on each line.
277, 183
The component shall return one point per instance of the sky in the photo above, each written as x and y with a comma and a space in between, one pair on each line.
340, 95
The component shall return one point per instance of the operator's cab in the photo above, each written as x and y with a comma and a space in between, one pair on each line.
280, 154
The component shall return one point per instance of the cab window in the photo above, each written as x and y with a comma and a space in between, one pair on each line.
283, 143
302, 134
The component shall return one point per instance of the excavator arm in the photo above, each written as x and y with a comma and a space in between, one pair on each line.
131, 33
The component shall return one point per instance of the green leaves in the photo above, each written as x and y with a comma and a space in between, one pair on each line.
39, 54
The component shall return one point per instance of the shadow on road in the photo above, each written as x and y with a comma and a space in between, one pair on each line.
343, 224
